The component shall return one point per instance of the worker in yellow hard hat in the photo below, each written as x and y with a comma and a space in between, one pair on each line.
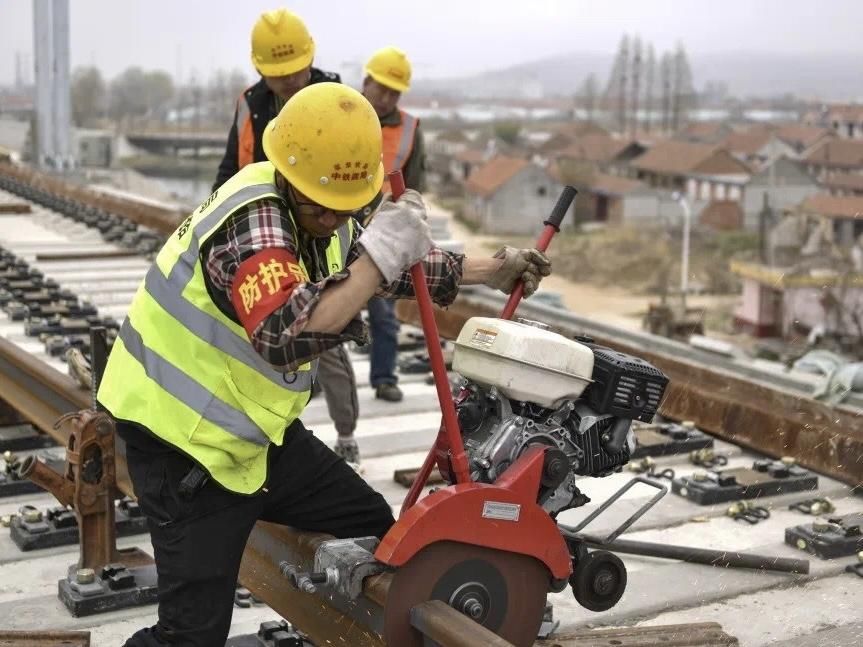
212, 368
282, 52
388, 76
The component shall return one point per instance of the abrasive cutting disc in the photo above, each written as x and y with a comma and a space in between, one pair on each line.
505, 592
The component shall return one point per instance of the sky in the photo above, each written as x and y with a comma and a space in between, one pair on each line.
444, 38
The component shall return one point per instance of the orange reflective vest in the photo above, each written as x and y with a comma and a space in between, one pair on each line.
398, 144
245, 133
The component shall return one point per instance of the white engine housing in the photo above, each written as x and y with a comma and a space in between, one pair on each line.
524, 362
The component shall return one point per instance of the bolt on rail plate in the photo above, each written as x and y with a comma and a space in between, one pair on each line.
666, 439
765, 478
834, 536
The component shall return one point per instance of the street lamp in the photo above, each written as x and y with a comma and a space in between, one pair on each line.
684, 262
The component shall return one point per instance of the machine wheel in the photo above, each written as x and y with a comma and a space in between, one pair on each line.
599, 580
505, 592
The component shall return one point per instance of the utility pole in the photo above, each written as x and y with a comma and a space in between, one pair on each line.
621, 90
676, 91
52, 136
616, 89
665, 74
636, 79
648, 89
684, 261
19, 81
763, 215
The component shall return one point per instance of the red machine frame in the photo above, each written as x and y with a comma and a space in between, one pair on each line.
503, 515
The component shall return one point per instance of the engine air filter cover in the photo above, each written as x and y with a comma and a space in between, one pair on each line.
524, 362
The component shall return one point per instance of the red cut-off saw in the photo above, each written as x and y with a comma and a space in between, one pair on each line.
533, 412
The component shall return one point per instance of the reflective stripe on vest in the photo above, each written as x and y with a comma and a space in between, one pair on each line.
245, 134
187, 372
194, 395
168, 293
406, 141
398, 143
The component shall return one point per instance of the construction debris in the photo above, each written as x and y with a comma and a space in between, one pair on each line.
703, 634
44, 638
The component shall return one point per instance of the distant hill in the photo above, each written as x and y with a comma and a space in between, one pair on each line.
834, 77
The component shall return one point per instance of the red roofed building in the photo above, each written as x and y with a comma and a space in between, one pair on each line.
510, 195
757, 147
845, 119
619, 200
702, 171
836, 156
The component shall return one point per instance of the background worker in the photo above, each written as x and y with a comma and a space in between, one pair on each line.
283, 52
388, 75
212, 368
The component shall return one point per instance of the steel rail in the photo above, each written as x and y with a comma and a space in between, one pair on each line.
160, 220
446, 627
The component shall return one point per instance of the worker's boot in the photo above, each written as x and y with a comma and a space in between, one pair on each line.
389, 392
348, 449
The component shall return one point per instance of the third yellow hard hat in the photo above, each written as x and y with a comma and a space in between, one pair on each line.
327, 143
390, 67
281, 44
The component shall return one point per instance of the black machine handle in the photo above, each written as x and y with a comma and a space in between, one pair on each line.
552, 226
563, 202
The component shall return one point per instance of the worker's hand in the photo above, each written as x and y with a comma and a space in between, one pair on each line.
528, 265
398, 235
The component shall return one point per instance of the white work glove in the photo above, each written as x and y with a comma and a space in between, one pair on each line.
528, 265
398, 235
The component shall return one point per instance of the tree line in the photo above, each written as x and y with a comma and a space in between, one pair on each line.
138, 96
643, 91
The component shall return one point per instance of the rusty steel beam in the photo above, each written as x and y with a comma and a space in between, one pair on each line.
37, 638
699, 634
37, 391
14, 208
41, 394
322, 618
768, 418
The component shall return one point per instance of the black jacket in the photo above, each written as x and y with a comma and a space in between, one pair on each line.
261, 109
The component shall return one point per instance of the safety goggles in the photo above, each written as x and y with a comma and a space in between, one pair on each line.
315, 210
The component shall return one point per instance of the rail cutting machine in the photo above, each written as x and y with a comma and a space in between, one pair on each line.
534, 411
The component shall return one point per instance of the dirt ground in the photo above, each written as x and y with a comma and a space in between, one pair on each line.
620, 305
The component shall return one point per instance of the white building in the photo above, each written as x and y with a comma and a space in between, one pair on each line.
508, 195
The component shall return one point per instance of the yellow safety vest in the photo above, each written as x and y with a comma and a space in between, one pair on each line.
188, 373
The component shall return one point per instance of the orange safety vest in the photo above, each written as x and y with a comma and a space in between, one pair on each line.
245, 134
398, 144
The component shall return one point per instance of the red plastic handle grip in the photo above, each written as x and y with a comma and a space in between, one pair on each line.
552, 226
438, 366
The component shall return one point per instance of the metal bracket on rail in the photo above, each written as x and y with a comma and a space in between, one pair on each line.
105, 578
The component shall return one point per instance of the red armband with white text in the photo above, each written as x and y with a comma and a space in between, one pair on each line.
263, 283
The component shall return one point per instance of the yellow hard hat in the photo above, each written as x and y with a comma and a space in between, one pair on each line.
281, 44
390, 67
327, 143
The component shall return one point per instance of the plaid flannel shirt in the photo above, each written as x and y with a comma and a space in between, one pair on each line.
281, 338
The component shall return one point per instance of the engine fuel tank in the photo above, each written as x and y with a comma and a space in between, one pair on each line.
523, 361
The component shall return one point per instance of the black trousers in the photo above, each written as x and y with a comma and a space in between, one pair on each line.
198, 539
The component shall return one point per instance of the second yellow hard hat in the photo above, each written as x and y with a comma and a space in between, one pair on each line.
390, 67
281, 44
